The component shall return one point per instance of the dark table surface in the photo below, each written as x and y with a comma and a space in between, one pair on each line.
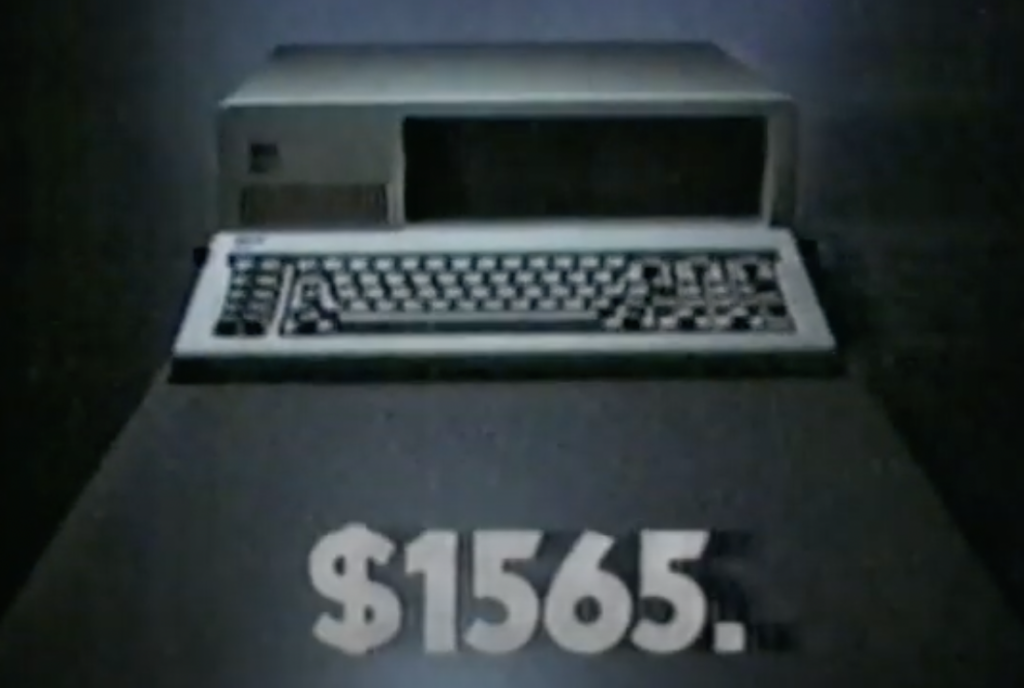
185, 560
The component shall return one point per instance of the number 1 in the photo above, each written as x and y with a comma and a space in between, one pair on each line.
434, 555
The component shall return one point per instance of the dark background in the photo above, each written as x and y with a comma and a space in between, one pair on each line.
911, 178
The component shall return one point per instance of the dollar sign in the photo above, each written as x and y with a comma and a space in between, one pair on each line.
371, 612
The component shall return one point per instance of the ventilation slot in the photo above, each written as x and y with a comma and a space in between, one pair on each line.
266, 205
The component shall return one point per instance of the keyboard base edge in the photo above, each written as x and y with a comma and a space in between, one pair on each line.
483, 367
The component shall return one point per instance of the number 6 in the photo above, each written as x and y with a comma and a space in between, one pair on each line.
580, 577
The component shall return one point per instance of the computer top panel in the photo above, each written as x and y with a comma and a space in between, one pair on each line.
404, 135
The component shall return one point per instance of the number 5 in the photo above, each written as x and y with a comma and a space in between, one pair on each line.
659, 550
492, 553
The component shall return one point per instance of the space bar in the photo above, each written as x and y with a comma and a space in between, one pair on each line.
412, 323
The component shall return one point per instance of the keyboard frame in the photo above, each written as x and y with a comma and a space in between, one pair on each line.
197, 342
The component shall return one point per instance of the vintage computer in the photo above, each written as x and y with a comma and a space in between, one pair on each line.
507, 204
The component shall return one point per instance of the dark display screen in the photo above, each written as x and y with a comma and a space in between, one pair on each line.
516, 168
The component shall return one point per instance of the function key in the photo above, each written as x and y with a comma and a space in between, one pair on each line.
590, 262
685, 270
267, 281
614, 262
565, 262
236, 295
410, 263
737, 268
436, 263
232, 309
384, 264
699, 262
359, 264
512, 263
308, 264
658, 271
765, 270
270, 263
334, 264
242, 263
486, 263
539, 262
714, 273
462, 263
264, 294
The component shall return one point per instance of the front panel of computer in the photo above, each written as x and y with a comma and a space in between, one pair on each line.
392, 165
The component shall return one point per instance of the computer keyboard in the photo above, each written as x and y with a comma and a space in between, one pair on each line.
524, 293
